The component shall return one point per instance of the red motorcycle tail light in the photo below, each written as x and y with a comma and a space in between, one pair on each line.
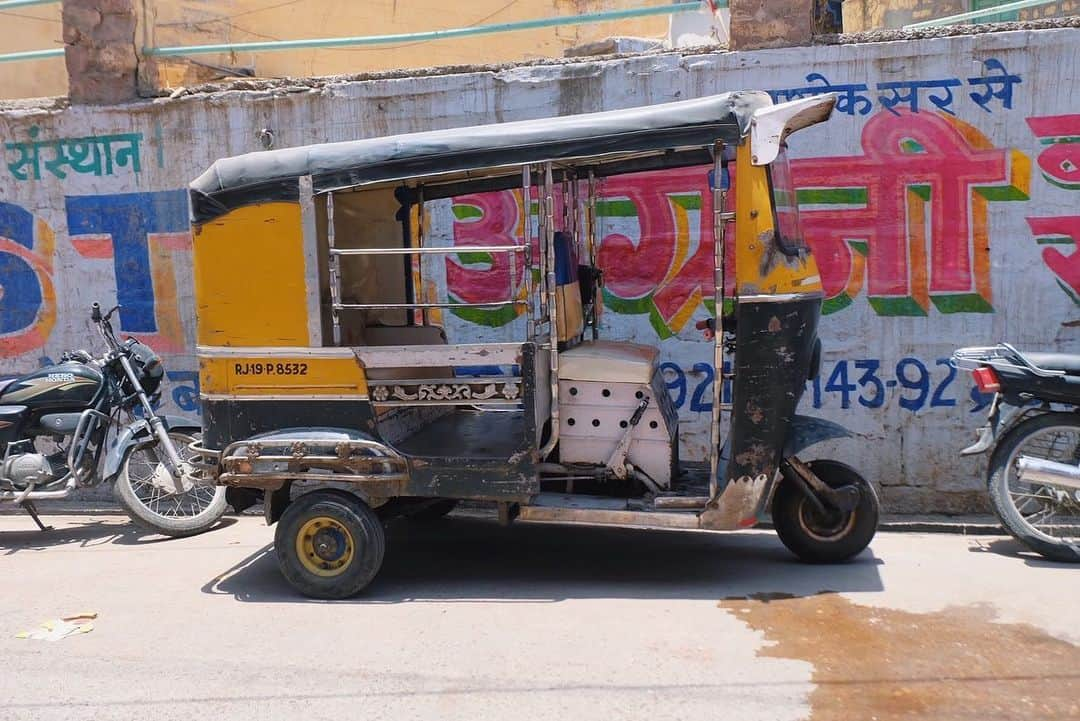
986, 379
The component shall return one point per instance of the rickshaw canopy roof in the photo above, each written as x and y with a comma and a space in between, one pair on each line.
265, 175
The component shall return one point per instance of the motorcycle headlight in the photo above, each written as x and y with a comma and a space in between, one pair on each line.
149, 367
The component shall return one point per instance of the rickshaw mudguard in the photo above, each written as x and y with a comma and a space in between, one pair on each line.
808, 430
341, 458
774, 345
137, 435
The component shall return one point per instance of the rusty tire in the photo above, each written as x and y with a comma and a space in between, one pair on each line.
838, 536
349, 524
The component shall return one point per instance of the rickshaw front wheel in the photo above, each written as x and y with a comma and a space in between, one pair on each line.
835, 535
329, 544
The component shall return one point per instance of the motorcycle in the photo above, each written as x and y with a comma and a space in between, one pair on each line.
76, 407
1033, 427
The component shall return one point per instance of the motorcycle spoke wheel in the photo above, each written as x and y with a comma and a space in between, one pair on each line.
1050, 512
142, 466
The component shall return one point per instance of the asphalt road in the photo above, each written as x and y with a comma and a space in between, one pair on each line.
473, 621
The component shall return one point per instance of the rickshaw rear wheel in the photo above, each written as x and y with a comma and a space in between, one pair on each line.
329, 544
831, 537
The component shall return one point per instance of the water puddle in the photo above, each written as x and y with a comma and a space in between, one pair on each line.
879, 664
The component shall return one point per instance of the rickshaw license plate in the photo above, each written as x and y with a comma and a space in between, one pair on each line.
270, 369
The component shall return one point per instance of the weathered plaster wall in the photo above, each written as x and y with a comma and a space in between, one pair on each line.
943, 202
771, 23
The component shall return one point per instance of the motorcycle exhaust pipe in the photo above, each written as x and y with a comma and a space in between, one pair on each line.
1049, 473
29, 494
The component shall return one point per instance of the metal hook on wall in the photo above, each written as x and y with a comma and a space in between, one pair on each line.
266, 138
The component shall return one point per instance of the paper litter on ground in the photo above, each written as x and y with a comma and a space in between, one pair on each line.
59, 628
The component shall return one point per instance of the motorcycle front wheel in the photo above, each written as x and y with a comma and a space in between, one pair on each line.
156, 509
1045, 519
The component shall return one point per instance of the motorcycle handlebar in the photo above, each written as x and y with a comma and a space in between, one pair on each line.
77, 355
103, 324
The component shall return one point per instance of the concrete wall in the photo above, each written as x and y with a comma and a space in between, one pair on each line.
941, 209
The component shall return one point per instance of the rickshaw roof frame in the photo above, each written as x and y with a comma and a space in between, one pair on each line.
654, 130
504, 177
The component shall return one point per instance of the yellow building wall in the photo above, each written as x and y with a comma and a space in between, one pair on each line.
199, 22
36, 27
860, 15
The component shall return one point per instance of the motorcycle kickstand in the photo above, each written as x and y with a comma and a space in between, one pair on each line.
32, 510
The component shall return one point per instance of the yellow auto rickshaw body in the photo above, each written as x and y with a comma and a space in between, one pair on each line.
323, 362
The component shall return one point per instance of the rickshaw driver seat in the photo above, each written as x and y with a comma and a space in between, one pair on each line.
602, 383
609, 361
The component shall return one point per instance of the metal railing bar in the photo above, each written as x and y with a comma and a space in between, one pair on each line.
32, 55
12, 4
423, 306
432, 251
454, 380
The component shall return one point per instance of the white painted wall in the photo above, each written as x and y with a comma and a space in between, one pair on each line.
989, 176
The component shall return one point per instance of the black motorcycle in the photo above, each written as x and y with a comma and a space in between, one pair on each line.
1034, 430
60, 429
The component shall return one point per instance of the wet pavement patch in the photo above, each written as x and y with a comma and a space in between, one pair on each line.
883, 664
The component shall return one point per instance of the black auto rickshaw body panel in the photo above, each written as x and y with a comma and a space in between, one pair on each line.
775, 341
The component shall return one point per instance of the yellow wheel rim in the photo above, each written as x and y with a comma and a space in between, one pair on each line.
325, 546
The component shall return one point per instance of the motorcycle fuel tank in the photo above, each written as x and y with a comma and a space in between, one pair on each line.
71, 385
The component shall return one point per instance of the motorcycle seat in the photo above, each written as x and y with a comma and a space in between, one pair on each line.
1067, 362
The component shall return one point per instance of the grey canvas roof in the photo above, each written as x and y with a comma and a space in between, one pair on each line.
246, 178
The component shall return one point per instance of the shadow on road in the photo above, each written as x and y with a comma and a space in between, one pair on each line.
91, 533
468, 560
1014, 549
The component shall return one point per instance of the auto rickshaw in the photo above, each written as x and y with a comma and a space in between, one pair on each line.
330, 390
